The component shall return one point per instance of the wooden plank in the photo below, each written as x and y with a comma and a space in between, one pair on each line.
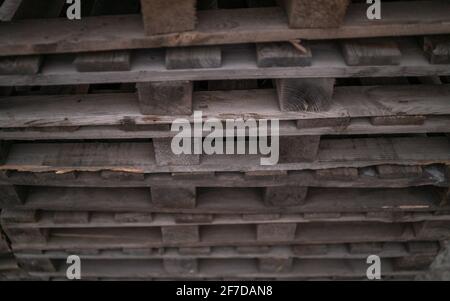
133, 217
395, 172
371, 52
238, 63
437, 49
270, 232
161, 98
194, 57
104, 61
20, 65
317, 14
37, 265
282, 55
18, 216
168, 16
137, 156
275, 265
29, 9
180, 234
164, 155
397, 120
248, 25
304, 94
181, 266
175, 198
299, 149
71, 217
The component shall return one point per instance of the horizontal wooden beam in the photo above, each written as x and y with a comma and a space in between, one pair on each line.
216, 27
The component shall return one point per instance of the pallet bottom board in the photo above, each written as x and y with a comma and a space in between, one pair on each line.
241, 269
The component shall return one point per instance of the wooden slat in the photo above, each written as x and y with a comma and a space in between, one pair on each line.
137, 156
194, 57
248, 25
376, 52
238, 63
120, 108
282, 55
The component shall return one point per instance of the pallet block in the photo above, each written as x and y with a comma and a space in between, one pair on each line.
165, 98
315, 14
168, 16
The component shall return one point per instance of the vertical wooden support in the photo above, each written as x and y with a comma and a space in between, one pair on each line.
165, 98
285, 196
371, 52
275, 265
181, 266
168, 16
164, 155
315, 14
282, 55
305, 94
194, 57
298, 149
275, 232
174, 197
180, 234
437, 49
11, 195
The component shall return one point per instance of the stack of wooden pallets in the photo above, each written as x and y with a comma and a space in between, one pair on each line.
86, 166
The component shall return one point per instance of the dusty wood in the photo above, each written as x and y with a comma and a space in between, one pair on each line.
214, 27
181, 266
275, 265
11, 195
315, 14
162, 98
299, 149
194, 57
20, 65
285, 196
178, 198
164, 155
305, 94
104, 61
397, 120
281, 55
167, 16
372, 52
437, 48
270, 232
240, 63
395, 172
180, 234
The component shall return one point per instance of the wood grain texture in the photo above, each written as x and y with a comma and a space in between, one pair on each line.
194, 57
281, 55
161, 98
305, 94
371, 52
216, 27
104, 61
315, 14
168, 16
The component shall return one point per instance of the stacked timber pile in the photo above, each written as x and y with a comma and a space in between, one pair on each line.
86, 166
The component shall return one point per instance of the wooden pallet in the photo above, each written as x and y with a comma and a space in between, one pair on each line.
354, 58
215, 27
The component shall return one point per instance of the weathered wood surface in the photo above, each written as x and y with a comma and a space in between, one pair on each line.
402, 102
331, 251
168, 16
371, 52
217, 27
231, 200
137, 157
238, 63
233, 269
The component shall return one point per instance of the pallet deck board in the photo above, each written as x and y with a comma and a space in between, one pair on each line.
216, 27
238, 62
113, 109
138, 157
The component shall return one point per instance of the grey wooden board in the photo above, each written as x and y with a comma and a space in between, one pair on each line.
371, 52
236, 269
282, 55
198, 57
238, 63
103, 61
217, 27
357, 126
108, 219
138, 157
233, 200
337, 251
123, 108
